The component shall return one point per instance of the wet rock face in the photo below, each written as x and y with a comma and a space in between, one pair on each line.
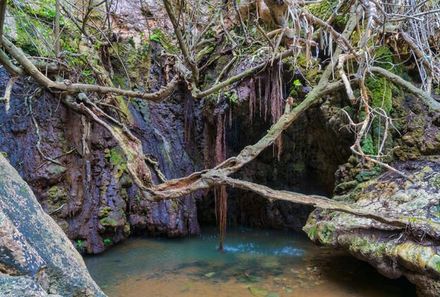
393, 252
168, 136
37, 259
87, 189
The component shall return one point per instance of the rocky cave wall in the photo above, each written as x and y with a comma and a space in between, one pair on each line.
92, 198
90, 194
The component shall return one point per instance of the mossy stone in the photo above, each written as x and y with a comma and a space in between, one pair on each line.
434, 263
108, 222
346, 186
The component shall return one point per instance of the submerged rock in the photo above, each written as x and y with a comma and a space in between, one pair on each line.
392, 251
36, 259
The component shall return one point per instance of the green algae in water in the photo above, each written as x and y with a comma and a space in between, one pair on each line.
255, 262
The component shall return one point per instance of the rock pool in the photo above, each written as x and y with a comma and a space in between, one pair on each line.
261, 263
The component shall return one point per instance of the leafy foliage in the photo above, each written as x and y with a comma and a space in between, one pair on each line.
107, 241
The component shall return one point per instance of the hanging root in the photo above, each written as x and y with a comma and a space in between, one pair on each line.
221, 203
220, 194
37, 130
130, 145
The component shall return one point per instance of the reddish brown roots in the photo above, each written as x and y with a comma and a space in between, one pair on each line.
220, 194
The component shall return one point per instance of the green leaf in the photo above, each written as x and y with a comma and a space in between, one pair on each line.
297, 83
155, 37
368, 145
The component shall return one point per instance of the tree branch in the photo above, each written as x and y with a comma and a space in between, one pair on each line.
425, 97
208, 179
420, 224
68, 87
131, 146
182, 44
251, 71
9, 66
183, 186
3, 4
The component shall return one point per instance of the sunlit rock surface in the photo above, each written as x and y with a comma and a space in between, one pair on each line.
36, 257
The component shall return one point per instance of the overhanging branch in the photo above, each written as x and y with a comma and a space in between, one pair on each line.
425, 226
179, 187
9, 66
68, 87
208, 179
182, 44
242, 75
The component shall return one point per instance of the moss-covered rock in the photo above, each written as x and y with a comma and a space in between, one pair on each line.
324, 9
393, 251
116, 158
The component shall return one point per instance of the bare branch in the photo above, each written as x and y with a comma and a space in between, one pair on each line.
425, 226
68, 87
347, 85
339, 38
3, 4
182, 44
9, 66
57, 27
204, 180
242, 75
178, 187
425, 97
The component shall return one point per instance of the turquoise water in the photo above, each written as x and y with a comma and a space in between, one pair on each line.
255, 263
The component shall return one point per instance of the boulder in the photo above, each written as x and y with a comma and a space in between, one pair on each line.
36, 257
392, 251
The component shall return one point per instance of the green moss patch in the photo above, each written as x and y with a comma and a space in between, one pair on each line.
117, 159
324, 9
163, 39
108, 222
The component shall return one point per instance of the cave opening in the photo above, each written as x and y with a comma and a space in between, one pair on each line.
312, 150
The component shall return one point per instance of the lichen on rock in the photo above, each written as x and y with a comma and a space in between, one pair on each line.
37, 258
394, 252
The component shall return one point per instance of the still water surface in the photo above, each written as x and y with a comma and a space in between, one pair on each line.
256, 263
